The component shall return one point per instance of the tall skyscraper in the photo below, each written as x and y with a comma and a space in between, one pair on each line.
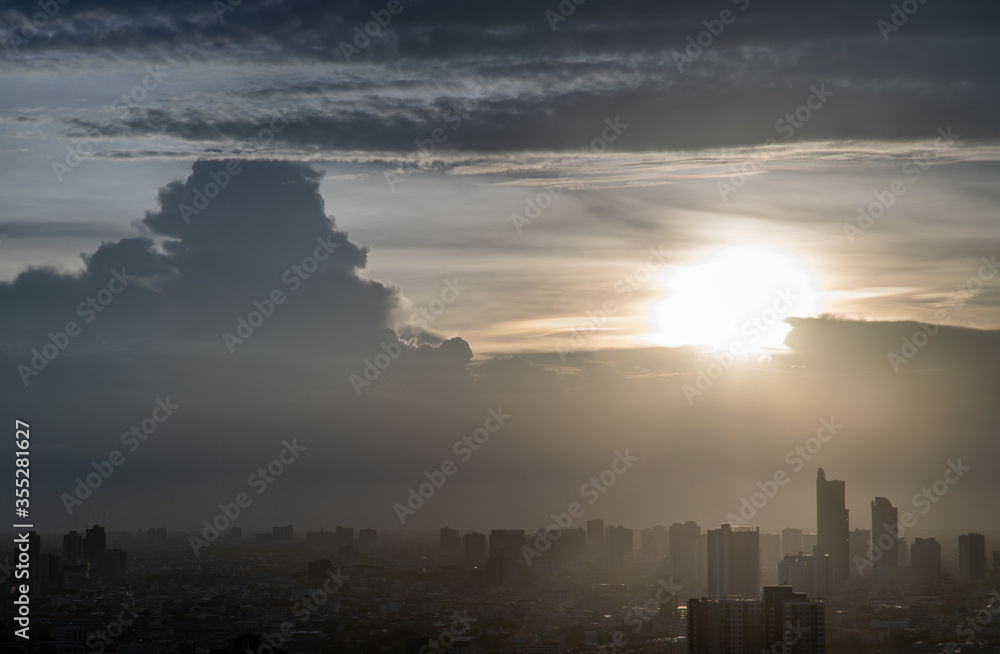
685, 562
971, 557
451, 542
791, 542
73, 548
475, 548
595, 539
95, 543
832, 530
885, 548
925, 558
506, 544
621, 544
734, 562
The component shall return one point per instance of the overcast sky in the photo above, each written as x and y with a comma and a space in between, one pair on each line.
566, 215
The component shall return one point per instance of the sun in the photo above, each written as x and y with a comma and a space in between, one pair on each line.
734, 295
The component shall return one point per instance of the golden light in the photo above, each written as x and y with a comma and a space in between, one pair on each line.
734, 295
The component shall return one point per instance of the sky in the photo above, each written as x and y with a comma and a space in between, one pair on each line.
695, 232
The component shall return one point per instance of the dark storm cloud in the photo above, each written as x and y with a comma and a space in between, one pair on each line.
453, 28
606, 59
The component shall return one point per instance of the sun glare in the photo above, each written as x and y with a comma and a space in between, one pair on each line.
734, 295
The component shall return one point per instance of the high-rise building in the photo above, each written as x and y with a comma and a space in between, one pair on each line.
809, 541
725, 626
595, 539
506, 544
621, 544
451, 542
73, 548
115, 564
770, 551
685, 563
925, 558
734, 562
809, 574
832, 530
791, 542
367, 539
344, 536
94, 545
885, 548
474, 545
860, 548
647, 546
971, 557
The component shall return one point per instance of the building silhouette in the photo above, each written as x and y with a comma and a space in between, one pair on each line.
595, 539
475, 548
73, 548
791, 542
811, 574
94, 545
832, 530
971, 557
685, 558
506, 544
860, 549
734, 562
781, 620
451, 542
925, 559
620, 544
885, 546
